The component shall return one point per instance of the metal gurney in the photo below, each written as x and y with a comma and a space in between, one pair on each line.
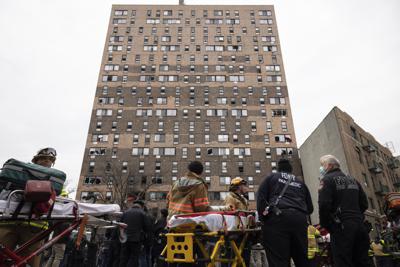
65, 210
209, 237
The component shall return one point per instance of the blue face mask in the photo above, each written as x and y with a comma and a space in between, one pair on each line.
322, 171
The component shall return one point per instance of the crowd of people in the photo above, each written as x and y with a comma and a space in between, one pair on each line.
283, 206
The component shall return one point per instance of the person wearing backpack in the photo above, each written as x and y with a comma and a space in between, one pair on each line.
13, 234
283, 204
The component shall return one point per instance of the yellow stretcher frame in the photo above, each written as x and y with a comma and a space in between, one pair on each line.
180, 249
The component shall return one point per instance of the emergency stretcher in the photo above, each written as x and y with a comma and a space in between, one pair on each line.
77, 215
211, 237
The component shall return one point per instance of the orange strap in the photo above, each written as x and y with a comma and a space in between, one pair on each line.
82, 227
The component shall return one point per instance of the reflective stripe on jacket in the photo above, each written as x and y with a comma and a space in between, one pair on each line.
188, 194
312, 233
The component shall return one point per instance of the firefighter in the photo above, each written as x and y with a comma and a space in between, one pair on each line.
18, 233
342, 203
235, 199
312, 234
189, 193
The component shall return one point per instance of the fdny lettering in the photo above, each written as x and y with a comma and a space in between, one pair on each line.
343, 183
286, 176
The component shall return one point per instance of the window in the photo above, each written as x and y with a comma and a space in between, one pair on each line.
110, 78
106, 100
274, 78
135, 139
253, 126
97, 151
268, 152
121, 12
159, 138
270, 68
206, 139
144, 112
277, 101
98, 125
270, 48
284, 126
242, 151
116, 138
218, 13
184, 152
257, 166
279, 113
283, 138
140, 151
239, 113
207, 167
234, 48
150, 48
223, 138
236, 78
218, 151
111, 67
164, 151
167, 13
101, 138
282, 151
266, 139
266, 21
268, 126
104, 112
174, 167
152, 21
224, 180
198, 152
217, 112
119, 21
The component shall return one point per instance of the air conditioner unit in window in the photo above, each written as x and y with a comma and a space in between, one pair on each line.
375, 168
369, 148
393, 163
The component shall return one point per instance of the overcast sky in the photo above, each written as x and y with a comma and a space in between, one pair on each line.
336, 52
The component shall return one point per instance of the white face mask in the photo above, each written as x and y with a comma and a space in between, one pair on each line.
322, 171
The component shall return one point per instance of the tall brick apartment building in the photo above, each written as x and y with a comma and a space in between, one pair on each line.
179, 83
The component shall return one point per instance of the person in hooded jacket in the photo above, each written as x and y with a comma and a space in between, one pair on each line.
189, 193
235, 199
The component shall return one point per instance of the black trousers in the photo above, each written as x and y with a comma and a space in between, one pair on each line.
130, 252
285, 237
350, 244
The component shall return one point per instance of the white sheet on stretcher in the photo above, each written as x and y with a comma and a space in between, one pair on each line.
67, 208
213, 222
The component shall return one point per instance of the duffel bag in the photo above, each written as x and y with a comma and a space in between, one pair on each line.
17, 173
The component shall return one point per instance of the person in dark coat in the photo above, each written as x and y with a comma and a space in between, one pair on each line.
158, 241
284, 227
137, 228
342, 203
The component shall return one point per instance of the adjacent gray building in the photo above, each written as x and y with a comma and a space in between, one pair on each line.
360, 155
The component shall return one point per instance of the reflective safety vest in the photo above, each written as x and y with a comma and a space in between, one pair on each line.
312, 233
